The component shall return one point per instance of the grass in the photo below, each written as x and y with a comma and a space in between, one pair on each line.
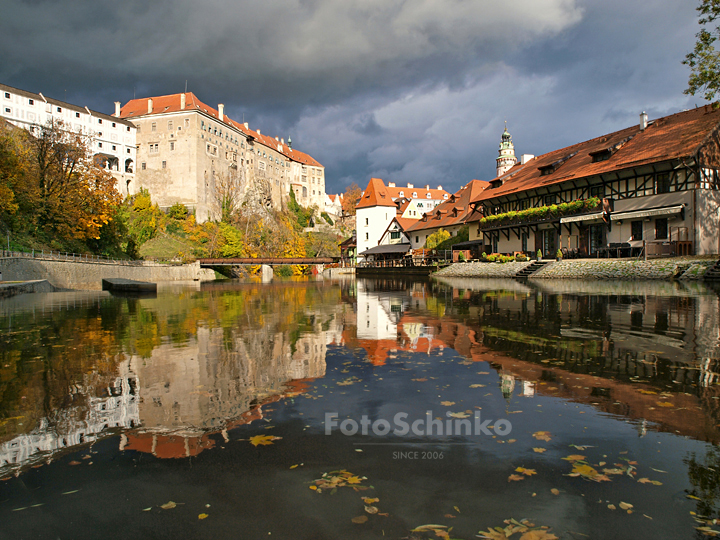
166, 246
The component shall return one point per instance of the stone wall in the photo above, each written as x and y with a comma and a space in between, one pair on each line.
88, 275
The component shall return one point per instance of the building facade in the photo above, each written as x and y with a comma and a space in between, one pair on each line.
380, 204
188, 152
110, 139
653, 188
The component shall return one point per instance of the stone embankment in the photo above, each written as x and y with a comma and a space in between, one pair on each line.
627, 269
67, 274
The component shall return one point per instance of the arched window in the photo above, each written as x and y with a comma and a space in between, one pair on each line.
402, 193
427, 195
414, 194
304, 191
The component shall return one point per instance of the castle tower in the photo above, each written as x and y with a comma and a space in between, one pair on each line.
506, 156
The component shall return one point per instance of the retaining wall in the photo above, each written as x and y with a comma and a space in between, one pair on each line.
89, 275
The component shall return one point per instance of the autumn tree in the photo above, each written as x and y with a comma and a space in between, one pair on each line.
228, 194
704, 61
436, 238
350, 199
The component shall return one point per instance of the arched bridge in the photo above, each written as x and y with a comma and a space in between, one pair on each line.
207, 263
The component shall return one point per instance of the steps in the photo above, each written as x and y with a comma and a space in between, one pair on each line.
713, 273
532, 268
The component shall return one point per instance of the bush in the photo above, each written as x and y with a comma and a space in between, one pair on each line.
461, 256
283, 271
522, 258
177, 211
326, 217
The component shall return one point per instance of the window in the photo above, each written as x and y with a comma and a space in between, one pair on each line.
524, 205
164, 164
77, 115
367, 237
367, 221
597, 191
187, 123
414, 194
142, 165
59, 109
153, 127
549, 199
154, 148
202, 125
127, 151
170, 125
661, 229
428, 196
114, 147
394, 235
636, 230
662, 183
7, 95
523, 242
172, 145
444, 196
99, 120
99, 133
8, 110
128, 128
113, 124
31, 101
417, 239
99, 145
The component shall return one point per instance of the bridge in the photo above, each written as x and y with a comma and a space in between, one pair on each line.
273, 261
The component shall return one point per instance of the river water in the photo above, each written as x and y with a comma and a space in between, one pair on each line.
362, 409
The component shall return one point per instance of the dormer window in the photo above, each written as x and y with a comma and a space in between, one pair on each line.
428, 196
444, 197
414, 195
495, 184
549, 169
402, 193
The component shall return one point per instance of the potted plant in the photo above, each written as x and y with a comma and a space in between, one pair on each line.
539, 255
558, 255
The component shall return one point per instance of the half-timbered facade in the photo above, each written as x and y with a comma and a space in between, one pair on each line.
652, 187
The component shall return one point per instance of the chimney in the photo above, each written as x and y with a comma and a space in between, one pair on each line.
182, 101
391, 184
427, 186
643, 121
221, 112
117, 109
525, 158
258, 132
410, 186
277, 139
282, 140
246, 125
150, 106
440, 187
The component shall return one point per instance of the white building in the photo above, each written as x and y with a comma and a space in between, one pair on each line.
380, 204
110, 139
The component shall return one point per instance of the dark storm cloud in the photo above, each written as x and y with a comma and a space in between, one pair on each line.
405, 90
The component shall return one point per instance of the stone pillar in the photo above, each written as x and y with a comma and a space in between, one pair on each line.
266, 273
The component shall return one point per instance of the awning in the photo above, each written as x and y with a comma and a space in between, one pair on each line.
638, 214
581, 217
388, 248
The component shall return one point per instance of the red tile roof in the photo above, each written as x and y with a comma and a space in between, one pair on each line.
671, 137
454, 210
171, 103
377, 193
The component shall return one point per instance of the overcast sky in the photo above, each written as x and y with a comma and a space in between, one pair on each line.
404, 90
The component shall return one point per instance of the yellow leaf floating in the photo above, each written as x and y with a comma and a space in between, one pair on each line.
359, 519
648, 481
168, 505
574, 457
664, 404
542, 436
263, 440
515, 478
539, 450
555, 491
447, 403
370, 500
526, 472
202, 516
625, 506
458, 415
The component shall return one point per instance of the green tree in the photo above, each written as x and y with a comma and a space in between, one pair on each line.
438, 237
704, 61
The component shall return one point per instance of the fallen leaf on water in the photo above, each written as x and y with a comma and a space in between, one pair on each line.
574, 457
648, 481
612, 507
477, 386
664, 404
449, 516
313, 487
293, 466
359, 519
457, 509
625, 506
694, 497
263, 440
458, 415
555, 491
647, 392
539, 450
526, 472
515, 478
447, 403
74, 463
147, 509
658, 470
168, 505
581, 448
71, 492
202, 516
368, 500
419, 380
538, 535
542, 436
371, 509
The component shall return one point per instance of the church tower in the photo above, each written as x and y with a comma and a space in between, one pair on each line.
506, 156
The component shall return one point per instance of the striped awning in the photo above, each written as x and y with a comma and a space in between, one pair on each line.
582, 217
652, 212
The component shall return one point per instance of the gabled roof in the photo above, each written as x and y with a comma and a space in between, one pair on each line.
377, 193
454, 210
676, 136
171, 103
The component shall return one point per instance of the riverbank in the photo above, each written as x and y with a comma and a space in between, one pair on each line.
8, 289
685, 268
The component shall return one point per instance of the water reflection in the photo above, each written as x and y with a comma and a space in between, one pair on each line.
614, 367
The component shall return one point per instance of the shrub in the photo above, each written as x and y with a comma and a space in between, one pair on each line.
326, 217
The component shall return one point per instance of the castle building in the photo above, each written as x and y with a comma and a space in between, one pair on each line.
187, 150
111, 140
506, 155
